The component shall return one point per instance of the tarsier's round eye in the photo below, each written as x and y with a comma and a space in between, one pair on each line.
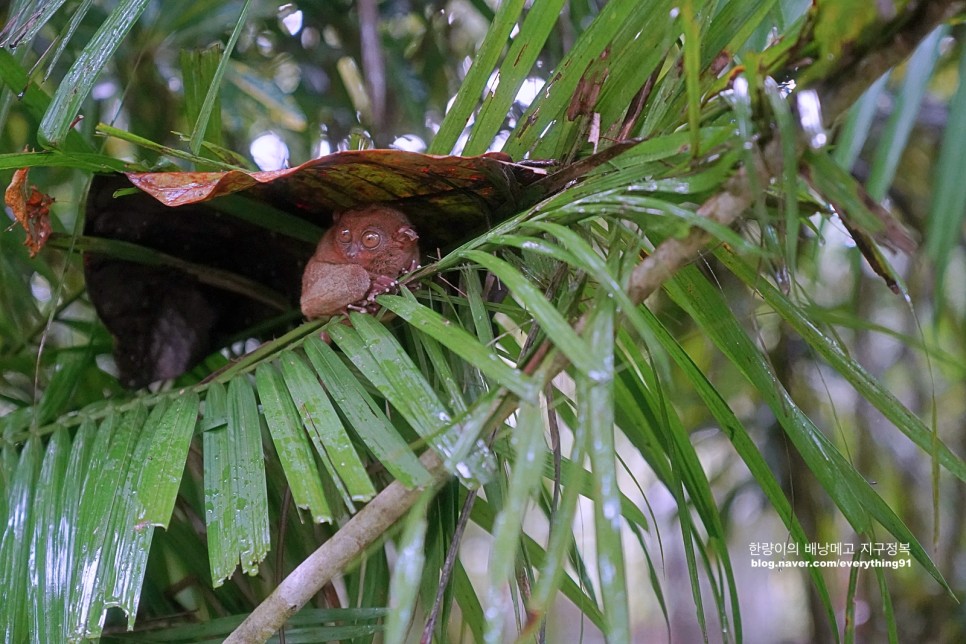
345, 235
371, 239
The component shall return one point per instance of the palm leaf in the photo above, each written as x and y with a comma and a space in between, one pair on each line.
461, 385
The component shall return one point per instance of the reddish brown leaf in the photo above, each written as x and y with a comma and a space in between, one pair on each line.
31, 208
447, 198
164, 320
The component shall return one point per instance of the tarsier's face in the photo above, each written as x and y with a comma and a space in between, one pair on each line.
380, 239
360, 242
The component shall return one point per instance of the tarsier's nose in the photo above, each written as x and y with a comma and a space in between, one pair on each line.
352, 251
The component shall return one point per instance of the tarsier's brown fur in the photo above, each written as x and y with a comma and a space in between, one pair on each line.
358, 258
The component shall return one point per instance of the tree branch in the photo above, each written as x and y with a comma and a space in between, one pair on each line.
334, 556
671, 255
860, 67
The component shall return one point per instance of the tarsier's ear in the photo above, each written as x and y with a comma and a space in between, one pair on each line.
406, 233
337, 217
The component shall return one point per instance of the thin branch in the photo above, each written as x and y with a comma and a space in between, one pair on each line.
452, 555
860, 67
334, 556
670, 256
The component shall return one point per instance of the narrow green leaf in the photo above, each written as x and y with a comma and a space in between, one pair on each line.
887, 610
552, 322
582, 257
553, 565
627, 183
285, 108
166, 458
744, 445
850, 603
325, 428
201, 163
582, 479
842, 190
61, 387
948, 206
26, 21
838, 317
47, 591
198, 70
219, 490
789, 144
32, 98
111, 529
524, 50
671, 147
471, 457
649, 20
387, 366
408, 571
643, 45
732, 26
463, 344
70, 558
474, 84
666, 103
468, 602
851, 492
250, 498
595, 411
56, 158
481, 318
204, 114
370, 581
132, 533
871, 389
692, 69
439, 365
76, 85
292, 444
530, 454
92, 512
368, 421
77, 15
308, 625
894, 138
580, 594
15, 544
855, 131
650, 421
709, 310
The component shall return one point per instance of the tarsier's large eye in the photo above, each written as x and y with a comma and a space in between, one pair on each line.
345, 235
371, 239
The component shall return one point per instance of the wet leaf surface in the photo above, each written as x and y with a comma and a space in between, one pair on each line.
447, 198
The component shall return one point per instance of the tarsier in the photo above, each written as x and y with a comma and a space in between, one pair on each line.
358, 258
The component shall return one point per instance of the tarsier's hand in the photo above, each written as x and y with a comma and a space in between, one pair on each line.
360, 257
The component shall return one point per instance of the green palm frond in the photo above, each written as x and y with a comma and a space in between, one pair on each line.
541, 382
